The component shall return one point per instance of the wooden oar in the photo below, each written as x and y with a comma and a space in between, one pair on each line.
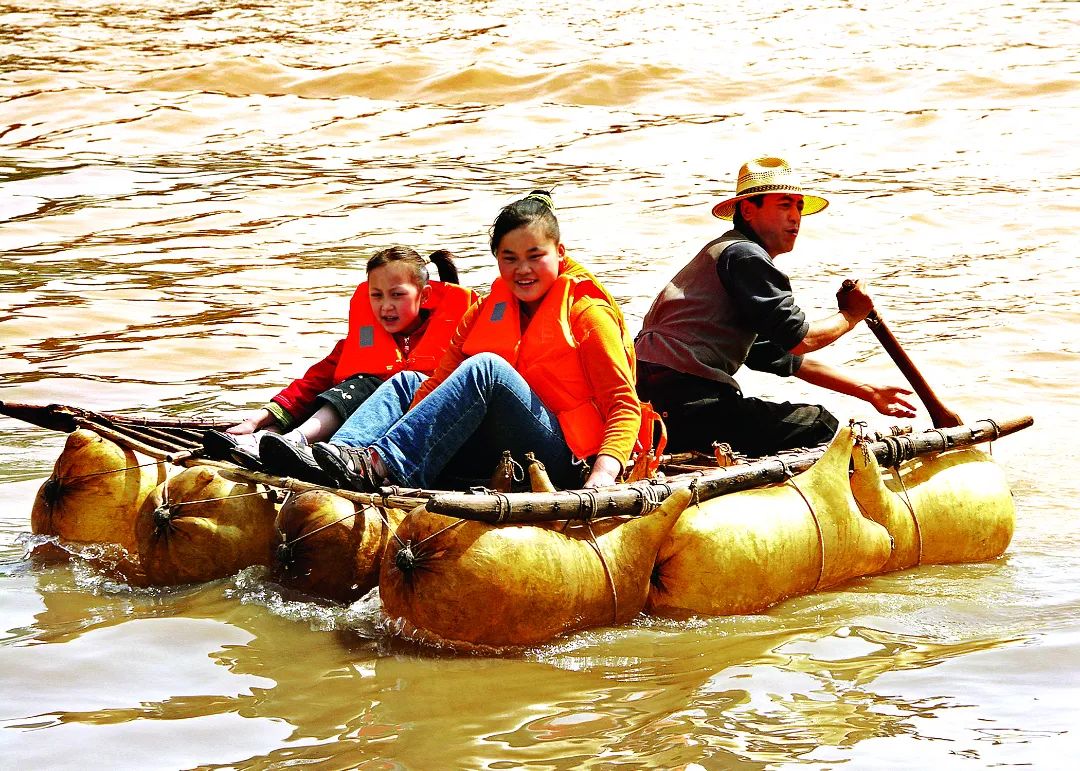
941, 415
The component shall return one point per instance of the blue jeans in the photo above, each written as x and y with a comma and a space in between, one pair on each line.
461, 428
380, 411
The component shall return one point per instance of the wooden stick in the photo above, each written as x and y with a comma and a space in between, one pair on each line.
641, 497
941, 415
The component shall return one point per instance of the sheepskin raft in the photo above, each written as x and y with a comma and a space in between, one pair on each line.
496, 567
456, 581
330, 547
743, 552
94, 493
949, 507
199, 526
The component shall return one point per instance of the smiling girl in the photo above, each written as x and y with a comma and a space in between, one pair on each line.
544, 364
398, 321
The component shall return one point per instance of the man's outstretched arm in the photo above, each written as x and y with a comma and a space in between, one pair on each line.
886, 399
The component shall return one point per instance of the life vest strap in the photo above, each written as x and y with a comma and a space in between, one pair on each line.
650, 444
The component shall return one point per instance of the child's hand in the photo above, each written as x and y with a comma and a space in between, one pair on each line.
251, 424
605, 471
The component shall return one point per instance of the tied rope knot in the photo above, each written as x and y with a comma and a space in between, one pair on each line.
163, 517
405, 559
52, 492
284, 553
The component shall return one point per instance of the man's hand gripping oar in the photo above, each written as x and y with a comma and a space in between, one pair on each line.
941, 415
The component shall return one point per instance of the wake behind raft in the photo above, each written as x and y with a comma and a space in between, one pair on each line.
488, 569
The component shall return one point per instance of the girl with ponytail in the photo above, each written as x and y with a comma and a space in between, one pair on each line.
399, 321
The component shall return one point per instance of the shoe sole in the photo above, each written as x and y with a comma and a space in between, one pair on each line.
218, 445
343, 476
248, 460
281, 458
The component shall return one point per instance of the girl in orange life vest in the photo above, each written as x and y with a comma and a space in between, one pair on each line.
543, 364
398, 320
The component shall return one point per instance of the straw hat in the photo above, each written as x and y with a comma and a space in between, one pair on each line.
768, 175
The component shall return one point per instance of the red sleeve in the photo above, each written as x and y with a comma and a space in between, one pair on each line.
298, 398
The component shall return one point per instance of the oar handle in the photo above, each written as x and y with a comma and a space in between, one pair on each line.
941, 415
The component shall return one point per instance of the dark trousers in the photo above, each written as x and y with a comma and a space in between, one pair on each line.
349, 394
699, 412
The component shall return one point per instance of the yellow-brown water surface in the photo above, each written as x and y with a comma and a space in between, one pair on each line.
189, 190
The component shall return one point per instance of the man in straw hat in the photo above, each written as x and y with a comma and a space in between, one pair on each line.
730, 306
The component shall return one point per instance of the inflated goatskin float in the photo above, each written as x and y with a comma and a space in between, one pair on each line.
742, 552
471, 584
94, 493
330, 547
943, 508
200, 526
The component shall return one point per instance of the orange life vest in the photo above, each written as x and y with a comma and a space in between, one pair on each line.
370, 350
547, 355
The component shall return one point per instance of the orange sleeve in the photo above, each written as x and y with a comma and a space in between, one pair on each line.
452, 358
610, 374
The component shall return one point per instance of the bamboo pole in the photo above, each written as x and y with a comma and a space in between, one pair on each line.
641, 497
496, 507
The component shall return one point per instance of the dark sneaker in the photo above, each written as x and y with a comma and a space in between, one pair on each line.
217, 444
291, 459
244, 457
349, 467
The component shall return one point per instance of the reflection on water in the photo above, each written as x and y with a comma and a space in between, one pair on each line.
189, 194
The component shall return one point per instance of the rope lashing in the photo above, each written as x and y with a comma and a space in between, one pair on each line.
607, 571
503, 507
898, 449
817, 524
650, 497
166, 511
389, 527
865, 446
381, 513
906, 498
997, 435
907, 443
109, 471
269, 493
320, 528
440, 531
587, 504
54, 484
410, 554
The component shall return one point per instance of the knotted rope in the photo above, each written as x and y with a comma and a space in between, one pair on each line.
817, 524
906, 498
607, 572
